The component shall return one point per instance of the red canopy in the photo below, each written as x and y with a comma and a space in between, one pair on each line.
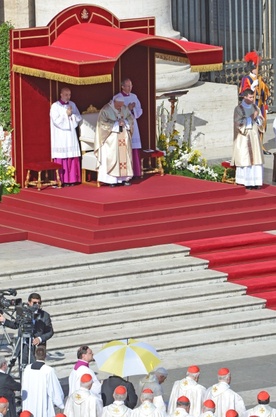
87, 53
89, 48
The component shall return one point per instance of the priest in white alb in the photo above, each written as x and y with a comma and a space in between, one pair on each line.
133, 103
41, 389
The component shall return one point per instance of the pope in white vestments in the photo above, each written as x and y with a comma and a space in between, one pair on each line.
223, 396
41, 390
151, 381
112, 146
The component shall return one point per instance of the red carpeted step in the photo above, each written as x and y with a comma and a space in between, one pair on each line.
158, 210
254, 285
240, 255
269, 296
48, 223
9, 234
249, 269
100, 203
234, 241
64, 208
154, 191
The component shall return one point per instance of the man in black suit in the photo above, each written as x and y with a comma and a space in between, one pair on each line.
39, 326
108, 387
7, 387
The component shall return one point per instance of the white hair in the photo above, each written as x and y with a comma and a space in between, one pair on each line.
147, 396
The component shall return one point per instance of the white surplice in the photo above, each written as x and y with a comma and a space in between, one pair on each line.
83, 404
64, 140
137, 112
116, 409
191, 389
75, 376
41, 390
225, 399
147, 409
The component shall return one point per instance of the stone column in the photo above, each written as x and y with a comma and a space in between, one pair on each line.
21, 13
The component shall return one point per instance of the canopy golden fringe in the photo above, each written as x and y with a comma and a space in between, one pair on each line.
206, 68
96, 79
172, 58
194, 68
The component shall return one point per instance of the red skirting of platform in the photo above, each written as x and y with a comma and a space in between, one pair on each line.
155, 210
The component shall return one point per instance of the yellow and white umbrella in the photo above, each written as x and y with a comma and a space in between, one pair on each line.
127, 357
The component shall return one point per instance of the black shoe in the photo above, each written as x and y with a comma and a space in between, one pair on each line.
266, 152
126, 183
249, 188
113, 185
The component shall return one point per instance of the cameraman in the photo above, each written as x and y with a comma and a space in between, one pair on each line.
42, 326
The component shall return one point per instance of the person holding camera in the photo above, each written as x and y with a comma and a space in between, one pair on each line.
38, 322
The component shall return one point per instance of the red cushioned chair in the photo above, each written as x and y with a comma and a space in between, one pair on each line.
149, 155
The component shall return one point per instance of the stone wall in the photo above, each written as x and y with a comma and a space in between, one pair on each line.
21, 13
161, 9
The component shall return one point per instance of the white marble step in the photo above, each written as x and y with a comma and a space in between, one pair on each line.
113, 294
40, 263
230, 329
61, 279
169, 312
126, 299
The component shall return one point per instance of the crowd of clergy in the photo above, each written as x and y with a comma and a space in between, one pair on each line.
43, 396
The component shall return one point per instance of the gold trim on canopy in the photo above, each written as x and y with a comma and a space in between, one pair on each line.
95, 79
206, 68
172, 58
194, 68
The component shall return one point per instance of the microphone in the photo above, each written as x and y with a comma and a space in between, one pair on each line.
121, 127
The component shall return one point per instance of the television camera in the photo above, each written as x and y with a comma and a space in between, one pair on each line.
23, 317
24, 314
6, 303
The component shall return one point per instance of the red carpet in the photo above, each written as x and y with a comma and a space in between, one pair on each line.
248, 259
155, 210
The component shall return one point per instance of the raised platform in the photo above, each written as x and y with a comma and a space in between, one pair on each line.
155, 210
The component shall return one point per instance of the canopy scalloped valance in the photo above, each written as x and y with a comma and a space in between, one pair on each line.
87, 53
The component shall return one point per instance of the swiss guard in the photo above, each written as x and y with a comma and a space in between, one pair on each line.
254, 81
